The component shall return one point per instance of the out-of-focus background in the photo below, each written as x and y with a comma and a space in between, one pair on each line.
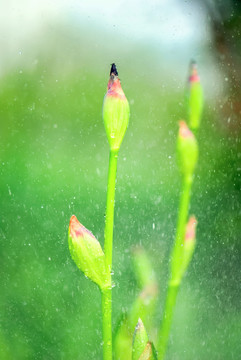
54, 67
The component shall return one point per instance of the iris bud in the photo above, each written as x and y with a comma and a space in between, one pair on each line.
140, 340
116, 111
87, 254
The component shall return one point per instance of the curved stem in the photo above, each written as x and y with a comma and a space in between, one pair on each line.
109, 224
176, 268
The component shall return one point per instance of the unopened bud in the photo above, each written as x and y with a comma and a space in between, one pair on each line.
116, 111
187, 150
87, 254
140, 340
195, 97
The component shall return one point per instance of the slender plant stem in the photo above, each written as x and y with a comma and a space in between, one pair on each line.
107, 328
176, 268
109, 224
176, 258
167, 320
110, 204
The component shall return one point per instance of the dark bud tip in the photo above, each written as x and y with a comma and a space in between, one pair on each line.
113, 70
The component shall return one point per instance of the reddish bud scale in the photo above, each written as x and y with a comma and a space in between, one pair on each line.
114, 88
77, 229
194, 77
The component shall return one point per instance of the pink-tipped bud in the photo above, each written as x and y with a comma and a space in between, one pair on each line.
194, 77
116, 111
87, 254
140, 340
187, 150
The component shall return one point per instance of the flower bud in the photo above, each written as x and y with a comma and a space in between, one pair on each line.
140, 340
187, 150
116, 111
195, 98
87, 254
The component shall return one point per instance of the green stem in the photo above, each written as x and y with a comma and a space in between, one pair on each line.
167, 320
109, 224
176, 268
110, 204
176, 258
107, 328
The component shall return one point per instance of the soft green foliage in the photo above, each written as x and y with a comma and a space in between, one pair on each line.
143, 268
47, 128
88, 255
140, 340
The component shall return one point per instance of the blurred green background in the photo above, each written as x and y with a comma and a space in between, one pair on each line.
54, 69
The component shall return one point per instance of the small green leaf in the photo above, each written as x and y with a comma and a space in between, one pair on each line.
88, 255
140, 340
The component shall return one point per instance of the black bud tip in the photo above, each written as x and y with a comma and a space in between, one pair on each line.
113, 70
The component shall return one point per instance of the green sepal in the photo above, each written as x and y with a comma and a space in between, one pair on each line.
140, 340
87, 254
116, 113
187, 151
